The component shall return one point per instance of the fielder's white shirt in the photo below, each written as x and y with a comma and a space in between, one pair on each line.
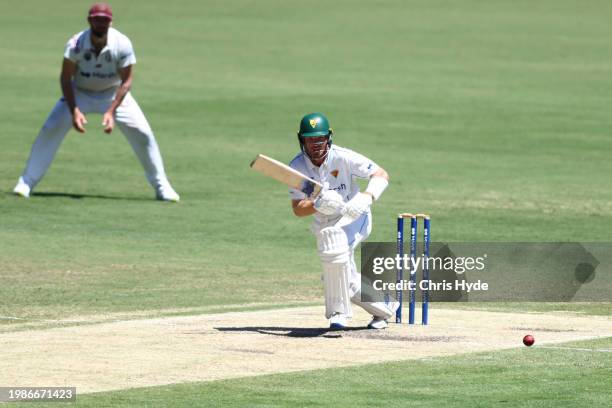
99, 73
339, 172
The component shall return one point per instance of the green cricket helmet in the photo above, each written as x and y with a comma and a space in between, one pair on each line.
314, 125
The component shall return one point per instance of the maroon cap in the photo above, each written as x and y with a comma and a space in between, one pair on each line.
101, 10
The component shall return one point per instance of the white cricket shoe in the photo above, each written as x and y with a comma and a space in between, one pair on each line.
338, 321
378, 323
22, 189
165, 192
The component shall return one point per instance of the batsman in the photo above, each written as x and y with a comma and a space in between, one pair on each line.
341, 217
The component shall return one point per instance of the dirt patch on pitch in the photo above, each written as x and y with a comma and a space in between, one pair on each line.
148, 352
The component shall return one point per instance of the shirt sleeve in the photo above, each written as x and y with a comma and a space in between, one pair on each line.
72, 48
361, 166
296, 194
126, 54
293, 193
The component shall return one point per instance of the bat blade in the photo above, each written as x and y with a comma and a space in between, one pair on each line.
290, 177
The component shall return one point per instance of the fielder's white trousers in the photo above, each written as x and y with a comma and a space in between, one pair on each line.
128, 118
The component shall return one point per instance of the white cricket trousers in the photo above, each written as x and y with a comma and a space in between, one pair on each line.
128, 118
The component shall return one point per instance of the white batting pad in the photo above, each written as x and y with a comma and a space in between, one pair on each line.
378, 309
333, 248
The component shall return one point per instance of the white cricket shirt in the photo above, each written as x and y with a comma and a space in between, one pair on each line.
99, 73
339, 172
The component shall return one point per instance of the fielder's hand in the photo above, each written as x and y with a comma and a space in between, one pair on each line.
108, 121
78, 120
329, 202
358, 205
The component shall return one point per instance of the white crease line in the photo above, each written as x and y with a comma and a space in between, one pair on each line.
41, 320
155, 314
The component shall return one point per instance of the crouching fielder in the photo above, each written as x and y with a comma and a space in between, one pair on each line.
338, 169
96, 77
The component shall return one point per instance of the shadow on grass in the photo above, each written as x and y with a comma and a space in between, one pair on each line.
292, 331
85, 196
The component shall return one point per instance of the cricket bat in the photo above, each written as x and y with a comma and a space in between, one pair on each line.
281, 172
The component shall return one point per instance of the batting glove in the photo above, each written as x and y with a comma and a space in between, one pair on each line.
358, 205
329, 202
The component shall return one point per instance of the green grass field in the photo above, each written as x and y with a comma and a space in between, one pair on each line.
491, 116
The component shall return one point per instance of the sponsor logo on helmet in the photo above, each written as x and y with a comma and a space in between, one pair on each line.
314, 122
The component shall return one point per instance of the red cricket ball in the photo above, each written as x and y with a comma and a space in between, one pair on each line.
528, 340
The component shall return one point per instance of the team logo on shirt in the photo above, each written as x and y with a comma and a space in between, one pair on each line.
314, 122
108, 58
335, 173
87, 56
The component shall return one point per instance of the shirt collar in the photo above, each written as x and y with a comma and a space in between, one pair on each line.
312, 167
